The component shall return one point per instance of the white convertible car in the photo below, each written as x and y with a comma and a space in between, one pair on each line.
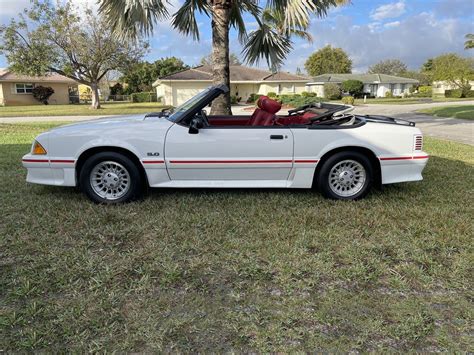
320, 145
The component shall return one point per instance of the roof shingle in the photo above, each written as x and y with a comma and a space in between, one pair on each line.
237, 73
6, 75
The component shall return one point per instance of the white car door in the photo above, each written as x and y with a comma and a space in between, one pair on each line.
262, 154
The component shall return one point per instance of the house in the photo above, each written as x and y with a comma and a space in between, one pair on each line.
439, 87
176, 88
17, 89
374, 84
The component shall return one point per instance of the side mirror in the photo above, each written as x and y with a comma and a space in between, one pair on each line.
195, 125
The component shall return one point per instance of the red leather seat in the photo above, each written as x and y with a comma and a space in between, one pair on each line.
264, 115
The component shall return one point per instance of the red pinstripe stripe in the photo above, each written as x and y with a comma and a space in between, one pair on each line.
306, 161
153, 162
406, 158
35, 161
61, 161
229, 161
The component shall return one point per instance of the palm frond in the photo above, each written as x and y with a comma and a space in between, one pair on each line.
266, 43
184, 20
297, 12
131, 18
302, 34
236, 16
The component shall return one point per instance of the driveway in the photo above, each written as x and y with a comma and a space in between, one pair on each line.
447, 128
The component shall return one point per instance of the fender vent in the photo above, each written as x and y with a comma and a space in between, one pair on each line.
418, 143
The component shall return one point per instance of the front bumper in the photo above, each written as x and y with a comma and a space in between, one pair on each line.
403, 169
46, 170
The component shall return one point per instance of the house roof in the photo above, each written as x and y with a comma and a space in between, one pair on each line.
365, 78
6, 75
238, 73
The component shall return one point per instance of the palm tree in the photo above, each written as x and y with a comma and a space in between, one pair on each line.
469, 44
130, 18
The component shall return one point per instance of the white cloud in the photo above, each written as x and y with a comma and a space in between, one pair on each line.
391, 10
392, 24
413, 40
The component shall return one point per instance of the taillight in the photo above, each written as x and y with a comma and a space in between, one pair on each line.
418, 143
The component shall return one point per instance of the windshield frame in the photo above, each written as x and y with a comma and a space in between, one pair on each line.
195, 104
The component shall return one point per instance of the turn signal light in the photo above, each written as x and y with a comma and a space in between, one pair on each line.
38, 149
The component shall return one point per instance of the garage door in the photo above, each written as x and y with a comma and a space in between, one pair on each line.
182, 94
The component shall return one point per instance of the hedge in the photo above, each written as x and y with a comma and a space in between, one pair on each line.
144, 97
456, 93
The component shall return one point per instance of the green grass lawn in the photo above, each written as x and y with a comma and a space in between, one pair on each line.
466, 111
238, 270
79, 109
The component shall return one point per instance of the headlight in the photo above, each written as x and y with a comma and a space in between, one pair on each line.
38, 149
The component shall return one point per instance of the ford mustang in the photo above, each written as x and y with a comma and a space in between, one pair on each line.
320, 145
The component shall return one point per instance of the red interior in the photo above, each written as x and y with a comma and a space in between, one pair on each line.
264, 115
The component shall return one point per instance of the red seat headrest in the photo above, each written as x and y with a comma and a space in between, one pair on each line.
260, 99
268, 105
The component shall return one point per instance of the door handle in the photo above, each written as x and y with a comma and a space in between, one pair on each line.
276, 136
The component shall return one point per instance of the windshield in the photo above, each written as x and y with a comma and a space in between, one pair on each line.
179, 111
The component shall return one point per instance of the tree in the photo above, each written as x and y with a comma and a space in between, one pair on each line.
55, 38
42, 93
233, 59
427, 66
456, 70
353, 87
423, 77
332, 91
142, 75
389, 67
133, 17
328, 60
469, 44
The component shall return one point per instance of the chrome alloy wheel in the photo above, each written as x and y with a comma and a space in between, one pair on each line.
110, 180
347, 178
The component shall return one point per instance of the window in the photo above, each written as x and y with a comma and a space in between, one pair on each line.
286, 88
23, 88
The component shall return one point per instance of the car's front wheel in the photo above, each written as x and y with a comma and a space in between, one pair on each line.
346, 176
110, 178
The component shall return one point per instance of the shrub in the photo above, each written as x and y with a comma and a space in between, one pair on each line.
348, 100
353, 87
470, 93
42, 93
233, 99
144, 97
389, 94
253, 98
332, 91
272, 95
117, 89
425, 91
456, 93
308, 94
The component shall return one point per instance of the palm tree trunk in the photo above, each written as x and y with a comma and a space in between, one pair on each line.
220, 54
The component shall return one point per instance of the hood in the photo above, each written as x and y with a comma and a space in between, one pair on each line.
106, 121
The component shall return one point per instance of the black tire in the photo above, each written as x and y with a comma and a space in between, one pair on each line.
135, 186
324, 181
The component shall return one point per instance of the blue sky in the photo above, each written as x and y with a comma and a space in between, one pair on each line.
368, 30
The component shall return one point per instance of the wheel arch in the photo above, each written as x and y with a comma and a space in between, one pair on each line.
363, 150
86, 154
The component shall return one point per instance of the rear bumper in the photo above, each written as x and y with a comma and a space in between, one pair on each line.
49, 171
403, 169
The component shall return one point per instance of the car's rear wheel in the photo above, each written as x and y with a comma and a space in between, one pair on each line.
346, 176
110, 178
